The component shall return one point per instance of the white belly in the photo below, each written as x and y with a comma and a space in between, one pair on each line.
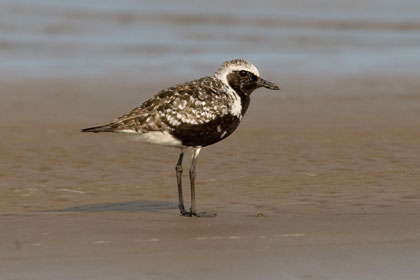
155, 137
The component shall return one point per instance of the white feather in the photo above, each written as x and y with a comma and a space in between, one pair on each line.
155, 137
236, 106
222, 73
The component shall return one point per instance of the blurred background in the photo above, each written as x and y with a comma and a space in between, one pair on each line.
148, 39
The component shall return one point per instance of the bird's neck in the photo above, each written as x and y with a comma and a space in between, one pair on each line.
245, 100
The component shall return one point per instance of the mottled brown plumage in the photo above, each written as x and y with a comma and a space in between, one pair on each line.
195, 103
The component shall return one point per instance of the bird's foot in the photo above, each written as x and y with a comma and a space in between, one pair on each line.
203, 214
195, 214
183, 212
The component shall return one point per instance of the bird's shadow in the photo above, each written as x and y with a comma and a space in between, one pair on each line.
126, 206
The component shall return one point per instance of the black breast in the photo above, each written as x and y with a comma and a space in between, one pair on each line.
208, 133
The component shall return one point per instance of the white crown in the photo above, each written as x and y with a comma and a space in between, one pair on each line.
235, 65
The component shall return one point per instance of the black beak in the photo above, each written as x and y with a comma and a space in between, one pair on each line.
263, 83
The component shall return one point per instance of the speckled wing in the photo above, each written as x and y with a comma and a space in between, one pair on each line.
194, 103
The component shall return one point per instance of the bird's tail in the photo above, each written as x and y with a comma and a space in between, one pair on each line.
102, 128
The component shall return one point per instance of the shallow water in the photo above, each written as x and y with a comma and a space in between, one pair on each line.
45, 38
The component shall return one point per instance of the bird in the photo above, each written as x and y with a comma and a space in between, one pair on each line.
193, 115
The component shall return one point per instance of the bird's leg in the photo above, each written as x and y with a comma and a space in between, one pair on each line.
193, 212
179, 170
195, 153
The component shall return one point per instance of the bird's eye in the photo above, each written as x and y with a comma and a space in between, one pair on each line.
254, 78
242, 73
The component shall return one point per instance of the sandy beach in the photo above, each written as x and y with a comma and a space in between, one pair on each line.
143, 244
320, 180
332, 193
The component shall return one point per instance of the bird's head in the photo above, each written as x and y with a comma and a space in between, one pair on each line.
242, 76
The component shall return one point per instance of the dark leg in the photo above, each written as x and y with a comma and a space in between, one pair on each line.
179, 170
196, 151
193, 212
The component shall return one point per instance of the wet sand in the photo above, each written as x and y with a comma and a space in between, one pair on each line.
320, 181
143, 245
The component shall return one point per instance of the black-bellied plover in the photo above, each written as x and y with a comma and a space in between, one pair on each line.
193, 114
